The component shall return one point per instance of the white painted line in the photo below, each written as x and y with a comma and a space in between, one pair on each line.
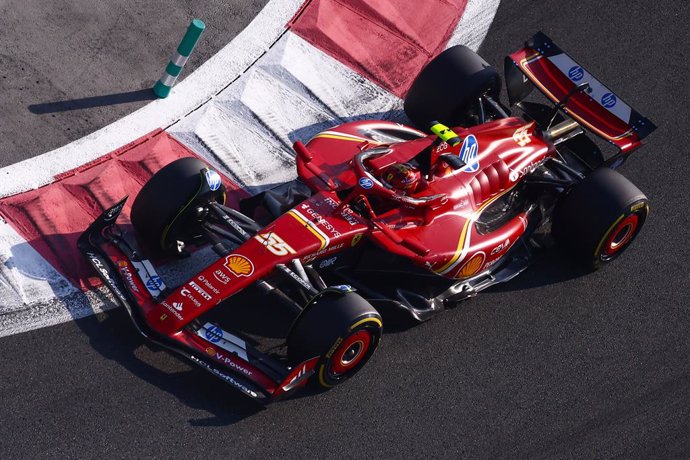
211, 77
290, 92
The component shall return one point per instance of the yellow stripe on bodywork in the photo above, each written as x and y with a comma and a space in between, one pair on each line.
463, 234
343, 137
311, 227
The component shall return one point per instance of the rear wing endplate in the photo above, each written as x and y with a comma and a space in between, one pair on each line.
543, 64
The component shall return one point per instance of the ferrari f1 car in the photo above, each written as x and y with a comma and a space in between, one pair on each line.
383, 217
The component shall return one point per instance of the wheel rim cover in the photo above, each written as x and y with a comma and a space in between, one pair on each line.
621, 235
351, 352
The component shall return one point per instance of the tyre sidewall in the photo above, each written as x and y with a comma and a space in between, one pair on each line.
588, 214
447, 89
326, 323
158, 210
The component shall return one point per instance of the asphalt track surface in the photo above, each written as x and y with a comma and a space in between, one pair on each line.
553, 364
69, 68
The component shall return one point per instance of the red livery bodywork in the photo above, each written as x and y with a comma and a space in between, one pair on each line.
460, 229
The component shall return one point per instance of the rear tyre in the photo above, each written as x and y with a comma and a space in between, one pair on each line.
448, 88
342, 329
167, 208
600, 217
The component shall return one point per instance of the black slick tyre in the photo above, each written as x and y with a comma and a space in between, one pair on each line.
448, 88
342, 329
164, 210
598, 219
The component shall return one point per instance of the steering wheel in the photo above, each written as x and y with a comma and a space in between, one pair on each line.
371, 185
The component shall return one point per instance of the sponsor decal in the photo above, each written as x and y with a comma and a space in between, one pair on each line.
328, 262
320, 220
331, 202
609, 100
211, 351
224, 376
442, 147
173, 309
491, 264
343, 288
576, 73
327, 250
112, 213
239, 265
214, 334
500, 247
469, 152
522, 136
188, 294
230, 363
154, 283
356, 239
349, 217
221, 276
472, 266
345, 213
213, 179
205, 295
127, 275
96, 261
516, 175
365, 183
273, 243
208, 284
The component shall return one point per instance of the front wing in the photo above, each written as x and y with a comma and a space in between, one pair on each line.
134, 283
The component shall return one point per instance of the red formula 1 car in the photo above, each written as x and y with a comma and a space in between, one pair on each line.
392, 217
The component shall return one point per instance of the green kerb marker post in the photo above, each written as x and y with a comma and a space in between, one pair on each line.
172, 71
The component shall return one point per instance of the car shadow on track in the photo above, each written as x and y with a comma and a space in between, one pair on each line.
113, 336
549, 266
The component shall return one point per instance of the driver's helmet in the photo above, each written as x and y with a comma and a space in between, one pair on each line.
402, 177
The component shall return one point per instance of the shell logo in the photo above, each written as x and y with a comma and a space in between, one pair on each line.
472, 266
239, 265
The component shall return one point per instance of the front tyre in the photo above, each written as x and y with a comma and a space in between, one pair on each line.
342, 329
600, 217
167, 207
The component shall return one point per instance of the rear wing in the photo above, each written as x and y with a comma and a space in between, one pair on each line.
542, 63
